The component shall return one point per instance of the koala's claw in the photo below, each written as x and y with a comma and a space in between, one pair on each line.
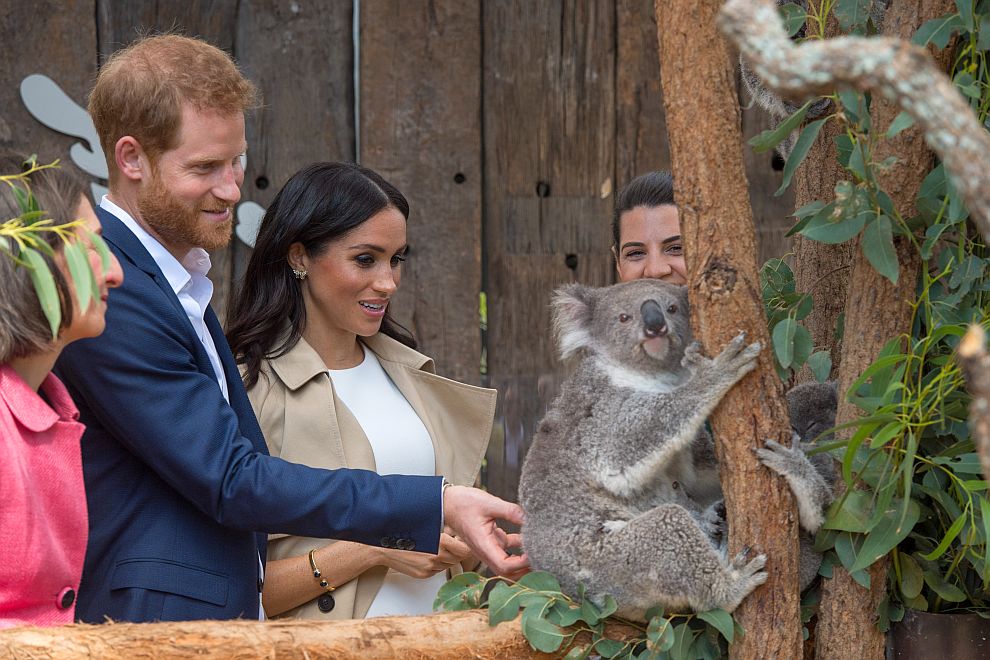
777, 457
692, 355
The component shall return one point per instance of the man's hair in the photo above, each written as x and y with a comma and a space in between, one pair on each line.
650, 189
140, 91
24, 330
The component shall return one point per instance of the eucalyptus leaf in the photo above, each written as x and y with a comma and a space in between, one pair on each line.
783, 341
770, 138
878, 247
938, 31
912, 579
852, 14
660, 633
44, 287
503, 603
901, 122
540, 633
608, 648
578, 653
720, 620
850, 513
950, 536
794, 18
890, 531
801, 147
825, 229
540, 581
945, 590
79, 270
462, 592
561, 613
820, 363
683, 639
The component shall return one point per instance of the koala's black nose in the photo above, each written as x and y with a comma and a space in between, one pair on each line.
654, 324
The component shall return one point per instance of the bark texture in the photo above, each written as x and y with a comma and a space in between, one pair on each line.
876, 309
901, 72
697, 74
976, 368
445, 636
820, 269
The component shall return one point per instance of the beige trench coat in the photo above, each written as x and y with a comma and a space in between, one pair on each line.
304, 422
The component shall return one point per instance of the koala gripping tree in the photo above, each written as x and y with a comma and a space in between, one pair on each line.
702, 113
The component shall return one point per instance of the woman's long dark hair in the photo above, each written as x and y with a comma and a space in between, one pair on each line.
319, 204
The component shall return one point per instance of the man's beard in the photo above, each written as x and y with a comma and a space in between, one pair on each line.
178, 224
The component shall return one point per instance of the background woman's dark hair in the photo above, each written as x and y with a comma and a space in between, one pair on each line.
319, 204
24, 330
650, 189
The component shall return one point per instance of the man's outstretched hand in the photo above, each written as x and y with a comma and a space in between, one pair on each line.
472, 513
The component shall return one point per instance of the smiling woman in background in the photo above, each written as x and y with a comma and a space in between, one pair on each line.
43, 521
646, 231
335, 382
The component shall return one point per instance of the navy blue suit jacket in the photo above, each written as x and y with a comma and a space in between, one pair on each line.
180, 487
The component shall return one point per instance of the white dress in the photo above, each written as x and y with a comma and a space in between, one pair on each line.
401, 445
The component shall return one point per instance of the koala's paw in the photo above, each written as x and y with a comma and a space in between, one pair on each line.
782, 460
693, 356
713, 523
737, 358
744, 576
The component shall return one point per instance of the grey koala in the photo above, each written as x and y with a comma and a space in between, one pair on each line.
602, 482
780, 108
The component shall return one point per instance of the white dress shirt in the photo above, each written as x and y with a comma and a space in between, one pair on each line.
188, 280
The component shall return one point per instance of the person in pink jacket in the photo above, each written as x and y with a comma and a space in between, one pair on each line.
43, 523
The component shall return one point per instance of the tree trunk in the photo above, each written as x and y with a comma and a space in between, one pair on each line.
976, 368
449, 635
702, 110
821, 270
876, 311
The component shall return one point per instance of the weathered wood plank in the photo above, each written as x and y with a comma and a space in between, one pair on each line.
641, 126
420, 128
54, 38
120, 23
301, 56
549, 99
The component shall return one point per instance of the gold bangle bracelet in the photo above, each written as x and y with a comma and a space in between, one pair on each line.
317, 574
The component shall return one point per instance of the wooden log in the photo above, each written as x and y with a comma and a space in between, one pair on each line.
442, 636
710, 188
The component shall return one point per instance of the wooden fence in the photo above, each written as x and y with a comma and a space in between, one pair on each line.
509, 125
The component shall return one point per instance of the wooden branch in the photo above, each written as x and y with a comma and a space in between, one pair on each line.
447, 635
702, 111
976, 368
898, 70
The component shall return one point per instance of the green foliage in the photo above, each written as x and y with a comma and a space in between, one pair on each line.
23, 239
919, 496
551, 621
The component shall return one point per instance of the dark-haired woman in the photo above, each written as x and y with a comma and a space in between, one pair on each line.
43, 515
646, 231
335, 382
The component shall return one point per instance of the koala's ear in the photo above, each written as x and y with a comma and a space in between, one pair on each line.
572, 307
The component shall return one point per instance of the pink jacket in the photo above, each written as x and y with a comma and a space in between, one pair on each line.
43, 521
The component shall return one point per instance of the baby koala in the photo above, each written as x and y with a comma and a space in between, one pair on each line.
602, 482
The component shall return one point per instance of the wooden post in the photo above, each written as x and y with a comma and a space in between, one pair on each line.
710, 188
